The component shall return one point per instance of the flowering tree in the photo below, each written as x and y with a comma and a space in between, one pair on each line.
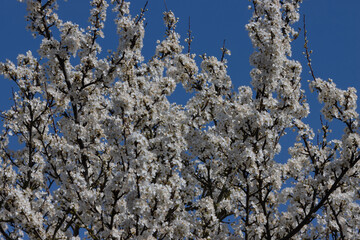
104, 155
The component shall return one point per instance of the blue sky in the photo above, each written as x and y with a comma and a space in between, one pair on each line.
333, 31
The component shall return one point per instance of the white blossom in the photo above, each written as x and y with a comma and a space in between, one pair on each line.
103, 154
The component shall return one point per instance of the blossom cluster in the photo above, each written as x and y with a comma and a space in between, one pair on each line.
103, 154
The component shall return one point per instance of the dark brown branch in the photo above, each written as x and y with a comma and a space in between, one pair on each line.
307, 52
7, 237
310, 216
224, 50
190, 37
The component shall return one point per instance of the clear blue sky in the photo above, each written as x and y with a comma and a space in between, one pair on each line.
333, 31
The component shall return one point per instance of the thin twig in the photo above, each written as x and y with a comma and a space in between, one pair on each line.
307, 52
190, 38
223, 49
142, 14
166, 6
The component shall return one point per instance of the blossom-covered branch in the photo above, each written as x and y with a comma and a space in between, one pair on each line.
103, 154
